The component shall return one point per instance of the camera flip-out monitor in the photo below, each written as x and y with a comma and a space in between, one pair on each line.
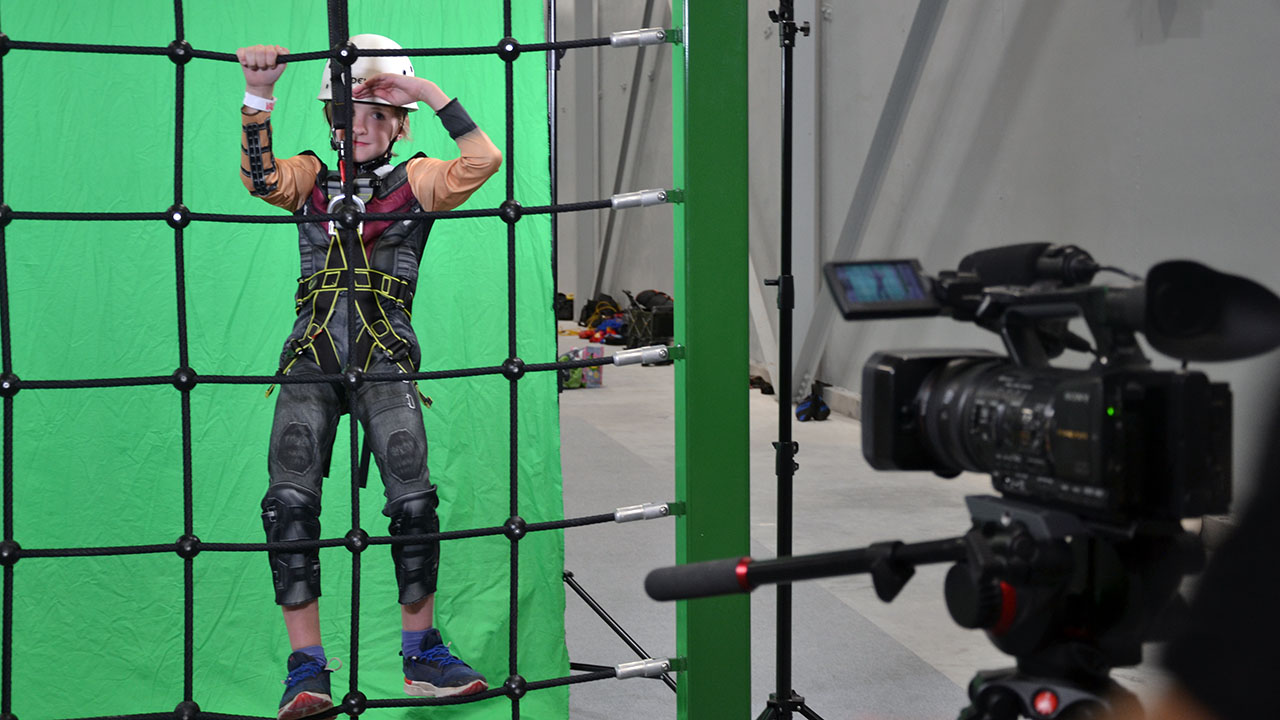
877, 289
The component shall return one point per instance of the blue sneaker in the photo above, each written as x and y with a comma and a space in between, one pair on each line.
435, 672
306, 690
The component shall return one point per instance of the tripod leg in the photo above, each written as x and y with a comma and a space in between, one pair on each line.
770, 713
808, 712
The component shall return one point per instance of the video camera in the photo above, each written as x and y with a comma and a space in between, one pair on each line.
1079, 562
1118, 441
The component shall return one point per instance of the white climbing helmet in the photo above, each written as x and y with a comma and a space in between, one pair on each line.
366, 67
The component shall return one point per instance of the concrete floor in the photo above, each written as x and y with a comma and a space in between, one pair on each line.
854, 656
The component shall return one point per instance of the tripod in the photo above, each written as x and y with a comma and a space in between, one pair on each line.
785, 702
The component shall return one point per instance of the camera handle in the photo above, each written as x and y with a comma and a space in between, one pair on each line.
891, 564
1033, 333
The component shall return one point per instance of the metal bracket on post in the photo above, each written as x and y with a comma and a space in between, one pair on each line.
648, 668
787, 26
786, 457
786, 290
647, 511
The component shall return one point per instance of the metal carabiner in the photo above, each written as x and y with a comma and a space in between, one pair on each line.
335, 201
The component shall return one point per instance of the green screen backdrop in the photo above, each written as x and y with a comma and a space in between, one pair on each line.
103, 467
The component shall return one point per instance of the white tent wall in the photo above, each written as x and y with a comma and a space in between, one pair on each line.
1141, 130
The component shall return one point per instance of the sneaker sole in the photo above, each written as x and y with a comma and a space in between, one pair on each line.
426, 689
305, 704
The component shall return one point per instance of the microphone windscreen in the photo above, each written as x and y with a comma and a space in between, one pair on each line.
702, 579
1006, 265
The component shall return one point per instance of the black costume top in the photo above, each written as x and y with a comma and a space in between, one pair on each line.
386, 272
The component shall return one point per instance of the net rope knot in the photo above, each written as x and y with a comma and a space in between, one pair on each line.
508, 49
180, 52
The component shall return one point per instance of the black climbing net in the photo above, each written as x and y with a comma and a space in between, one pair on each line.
185, 378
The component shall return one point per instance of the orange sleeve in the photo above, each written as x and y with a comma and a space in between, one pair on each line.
284, 183
445, 184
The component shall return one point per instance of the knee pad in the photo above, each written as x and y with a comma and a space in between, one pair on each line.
416, 565
292, 513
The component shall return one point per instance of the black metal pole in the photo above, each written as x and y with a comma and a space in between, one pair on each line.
613, 624
784, 702
786, 466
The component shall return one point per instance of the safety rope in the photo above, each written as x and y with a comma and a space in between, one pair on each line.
178, 216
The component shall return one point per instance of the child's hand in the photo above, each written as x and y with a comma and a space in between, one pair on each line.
400, 90
260, 68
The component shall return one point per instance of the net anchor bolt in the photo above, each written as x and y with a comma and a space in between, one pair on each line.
178, 216
9, 385
515, 687
6, 213
345, 53
513, 368
510, 211
10, 551
187, 710
357, 540
184, 378
349, 216
354, 703
353, 378
180, 52
508, 49
4, 44
515, 528
188, 546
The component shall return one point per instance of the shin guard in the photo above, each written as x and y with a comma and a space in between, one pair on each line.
418, 564
292, 513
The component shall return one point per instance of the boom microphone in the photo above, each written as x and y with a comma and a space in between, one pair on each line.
695, 580
890, 564
1029, 263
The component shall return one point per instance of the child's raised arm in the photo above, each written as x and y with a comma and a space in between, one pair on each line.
401, 90
284, 182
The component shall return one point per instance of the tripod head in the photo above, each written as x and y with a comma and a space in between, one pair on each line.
1067, 599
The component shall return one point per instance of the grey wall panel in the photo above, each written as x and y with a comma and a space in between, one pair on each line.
592, 119
640, 254
1141, 131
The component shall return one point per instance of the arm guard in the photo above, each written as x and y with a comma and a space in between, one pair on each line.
257, 161
441, 185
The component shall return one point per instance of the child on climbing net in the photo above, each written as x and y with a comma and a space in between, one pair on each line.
385, 91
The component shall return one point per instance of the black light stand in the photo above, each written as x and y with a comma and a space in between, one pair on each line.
785, 702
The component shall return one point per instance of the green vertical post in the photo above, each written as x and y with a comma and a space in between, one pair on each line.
712, 469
